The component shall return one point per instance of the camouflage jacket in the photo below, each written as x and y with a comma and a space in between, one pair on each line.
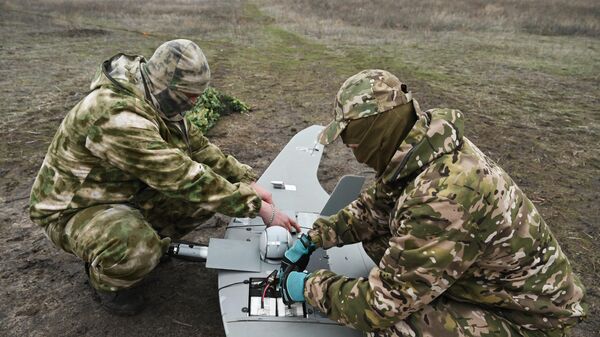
114, 143
455, 225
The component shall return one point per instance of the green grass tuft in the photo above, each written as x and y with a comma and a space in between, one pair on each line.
211, 105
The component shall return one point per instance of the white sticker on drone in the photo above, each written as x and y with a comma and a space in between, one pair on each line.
280, 185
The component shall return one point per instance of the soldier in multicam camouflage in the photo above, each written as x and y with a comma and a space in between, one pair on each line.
126, 172
460, 249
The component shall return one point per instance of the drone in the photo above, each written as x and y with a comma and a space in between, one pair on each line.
249, 255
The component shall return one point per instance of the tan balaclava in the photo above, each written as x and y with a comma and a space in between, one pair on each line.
177, 69
378, 137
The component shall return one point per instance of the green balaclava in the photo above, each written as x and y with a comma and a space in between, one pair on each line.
379, 136
177, 68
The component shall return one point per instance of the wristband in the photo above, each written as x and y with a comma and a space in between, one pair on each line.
272, 216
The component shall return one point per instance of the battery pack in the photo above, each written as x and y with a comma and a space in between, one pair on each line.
272, 305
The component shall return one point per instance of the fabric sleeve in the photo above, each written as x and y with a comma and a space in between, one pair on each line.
133, 144
354, 223
203, 151
431, 248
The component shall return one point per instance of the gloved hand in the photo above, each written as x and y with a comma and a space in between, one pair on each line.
292, 286
297, 257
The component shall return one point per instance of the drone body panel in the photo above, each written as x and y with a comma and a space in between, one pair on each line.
292, 180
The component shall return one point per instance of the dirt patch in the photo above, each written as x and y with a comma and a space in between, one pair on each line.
531, 104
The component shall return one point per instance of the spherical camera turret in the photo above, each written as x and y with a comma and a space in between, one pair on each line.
274, 241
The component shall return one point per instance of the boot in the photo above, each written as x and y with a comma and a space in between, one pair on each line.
124, 302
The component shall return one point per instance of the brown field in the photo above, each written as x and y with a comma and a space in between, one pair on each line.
525, 73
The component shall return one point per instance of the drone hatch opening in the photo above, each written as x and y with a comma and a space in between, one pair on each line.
266, 302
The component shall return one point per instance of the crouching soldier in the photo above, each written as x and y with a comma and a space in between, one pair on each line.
460, 250
126, 172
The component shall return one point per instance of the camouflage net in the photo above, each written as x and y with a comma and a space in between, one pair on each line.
211, 105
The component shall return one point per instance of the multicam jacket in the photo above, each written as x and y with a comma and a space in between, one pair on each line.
458, 226
114, 143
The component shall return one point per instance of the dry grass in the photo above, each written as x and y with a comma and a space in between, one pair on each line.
167, 19
545, 17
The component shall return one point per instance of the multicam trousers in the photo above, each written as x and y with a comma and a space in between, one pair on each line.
124, 242
446, 317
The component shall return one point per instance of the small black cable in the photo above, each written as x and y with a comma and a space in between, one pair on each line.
233, 284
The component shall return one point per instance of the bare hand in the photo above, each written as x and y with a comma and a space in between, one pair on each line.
262, 193
280, 219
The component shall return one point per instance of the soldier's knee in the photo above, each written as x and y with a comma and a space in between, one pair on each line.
127, 260
126, 250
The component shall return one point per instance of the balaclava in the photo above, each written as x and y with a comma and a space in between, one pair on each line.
177, 68
379, 136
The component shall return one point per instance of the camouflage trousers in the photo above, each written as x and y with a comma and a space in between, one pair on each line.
124, 242
449, 318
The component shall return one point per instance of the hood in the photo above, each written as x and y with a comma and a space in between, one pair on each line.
124, 70
437, 132
177, 70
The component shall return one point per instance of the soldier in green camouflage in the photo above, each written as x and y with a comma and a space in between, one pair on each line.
126, 172
460, 250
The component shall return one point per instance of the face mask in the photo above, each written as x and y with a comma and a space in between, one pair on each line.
378, 137
177, 67
173, 102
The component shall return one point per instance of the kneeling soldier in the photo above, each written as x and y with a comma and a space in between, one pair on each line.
126, 172
460, 250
